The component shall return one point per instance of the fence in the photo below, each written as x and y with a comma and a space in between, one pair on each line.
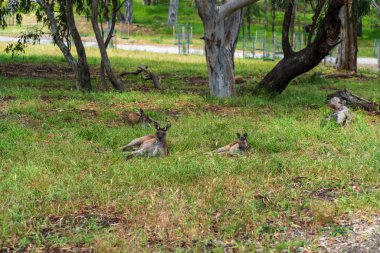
268, 46
368, 56
183, 34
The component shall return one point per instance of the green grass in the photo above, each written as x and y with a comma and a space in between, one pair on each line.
65, 184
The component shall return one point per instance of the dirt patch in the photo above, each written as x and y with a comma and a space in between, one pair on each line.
33, 70
362, 236
8, 98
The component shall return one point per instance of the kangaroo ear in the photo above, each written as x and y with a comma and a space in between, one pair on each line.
245, 135
156, 125
238, 135
167, 127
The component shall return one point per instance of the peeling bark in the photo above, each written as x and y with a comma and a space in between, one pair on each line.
221, 29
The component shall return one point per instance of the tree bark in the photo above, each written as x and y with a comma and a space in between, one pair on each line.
173, 12
221, 29
83, 75
296, 63
102, 48
348, 50
128, 11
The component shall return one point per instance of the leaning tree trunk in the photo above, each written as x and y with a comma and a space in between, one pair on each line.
128, 11
110, 30
348, 50
83, 71
173, 13
83, 78
296, 63
102, 48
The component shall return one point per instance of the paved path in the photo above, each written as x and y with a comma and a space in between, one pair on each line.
174, 50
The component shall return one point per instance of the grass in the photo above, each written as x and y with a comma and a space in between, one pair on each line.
65, 185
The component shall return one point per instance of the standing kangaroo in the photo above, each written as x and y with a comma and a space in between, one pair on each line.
235, 147
150, 145
139, 117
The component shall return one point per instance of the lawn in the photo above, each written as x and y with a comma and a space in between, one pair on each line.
64, 183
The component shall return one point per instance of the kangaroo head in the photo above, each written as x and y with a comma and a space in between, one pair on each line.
243, 142
161, 132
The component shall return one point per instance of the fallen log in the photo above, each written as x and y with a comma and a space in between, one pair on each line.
355, 101
146, 74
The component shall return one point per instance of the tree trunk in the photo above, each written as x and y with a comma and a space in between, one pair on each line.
249, 22
266, 14
102, 47
173, 13
128, 11
83, 78
83, 75
292, 25
220, 44
347, 57
296, 63
221, 29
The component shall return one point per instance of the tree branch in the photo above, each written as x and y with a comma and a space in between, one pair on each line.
317, 13
286, 47
233, 5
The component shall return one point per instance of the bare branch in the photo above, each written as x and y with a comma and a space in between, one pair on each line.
233, 5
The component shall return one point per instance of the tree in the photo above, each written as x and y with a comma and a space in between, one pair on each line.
221, 29
296, 63
173, 13
348, 50
61, 27
128, 11
106, 64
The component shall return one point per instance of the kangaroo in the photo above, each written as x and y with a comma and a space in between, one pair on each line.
235, 147
150, 145
134, 118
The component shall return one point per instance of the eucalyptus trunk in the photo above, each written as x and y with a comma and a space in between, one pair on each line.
173, 13
348, 50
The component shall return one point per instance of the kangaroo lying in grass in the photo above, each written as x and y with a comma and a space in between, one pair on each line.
134, 118
235, 147
150, 145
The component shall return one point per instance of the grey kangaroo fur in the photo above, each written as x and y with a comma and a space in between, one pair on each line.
236, 147
150, 145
